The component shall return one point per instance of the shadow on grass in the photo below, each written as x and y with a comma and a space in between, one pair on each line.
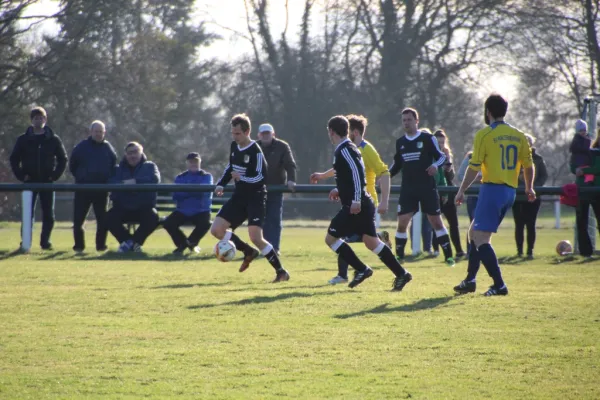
587, 260
425, 304
512, 260
561, 260
261, 299
190, 285
275, 287
5, 254
54, 255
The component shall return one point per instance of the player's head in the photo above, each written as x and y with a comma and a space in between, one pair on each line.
443, 142
133, 153
266, 133
193, 161
38, 117
358, 126
97, 131
337, 126
410, 120
240, 128
495, 108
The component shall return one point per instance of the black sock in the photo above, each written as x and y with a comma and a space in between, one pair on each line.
474, 262
240, 244
350, 257
342, 267
387, 257
444, 242
273, 259
400, 245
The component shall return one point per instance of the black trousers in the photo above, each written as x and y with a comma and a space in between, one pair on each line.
146, 218
451, 213
172, 224
81, 208
47, 203
525, 215
582, 214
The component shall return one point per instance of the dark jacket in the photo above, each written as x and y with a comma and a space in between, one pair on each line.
580, 152
593, 169
145, 172
42, 158
190, 203
92, 162
282, 167
541, 174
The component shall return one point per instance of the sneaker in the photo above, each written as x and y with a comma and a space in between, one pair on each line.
450, 262
125, 247
359, 277
101, 249
384, 236
337, 279
193, 247
492, 291
137, 248
282, 276
401, 281
248, 258
78, 250
47, 246
436, 253
465, 287
179, 251
460, 254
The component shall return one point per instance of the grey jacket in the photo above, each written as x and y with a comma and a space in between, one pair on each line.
280, 161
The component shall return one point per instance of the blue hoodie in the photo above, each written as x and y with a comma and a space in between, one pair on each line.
92, 162
145, 172
190, 203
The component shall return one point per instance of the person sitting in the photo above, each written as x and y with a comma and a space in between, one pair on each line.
192, 207
130, 206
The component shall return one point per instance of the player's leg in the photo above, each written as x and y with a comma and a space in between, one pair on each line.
430, 205
342, 276
408, 205
519, 218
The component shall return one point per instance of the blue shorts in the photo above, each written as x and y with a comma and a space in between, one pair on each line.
493, 203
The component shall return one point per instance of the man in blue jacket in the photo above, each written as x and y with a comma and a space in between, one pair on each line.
192, 207
40, 157
130, 206
93, 160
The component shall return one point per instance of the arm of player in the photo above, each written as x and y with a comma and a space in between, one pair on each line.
439, 157
356, 170
397, 164
385, 182
315, 177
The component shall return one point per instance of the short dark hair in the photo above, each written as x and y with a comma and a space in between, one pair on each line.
409, 110
38, 111
134, 144
357, 122
339, 124
242, 120
496, 105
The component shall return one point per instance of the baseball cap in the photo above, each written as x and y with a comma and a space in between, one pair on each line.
193, 156
266, 128
580, 125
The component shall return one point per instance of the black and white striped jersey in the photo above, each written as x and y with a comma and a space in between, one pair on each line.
413, 157
349, 173
250, 163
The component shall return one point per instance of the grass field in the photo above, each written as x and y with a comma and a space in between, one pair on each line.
154, 325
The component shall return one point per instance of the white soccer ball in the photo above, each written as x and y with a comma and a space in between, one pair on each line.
225, 250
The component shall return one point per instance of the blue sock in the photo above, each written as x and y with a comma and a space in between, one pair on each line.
490, 262
474, 263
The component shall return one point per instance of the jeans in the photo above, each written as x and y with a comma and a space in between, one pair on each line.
81, 208
201, 222
147, 218
47, 203
273, 215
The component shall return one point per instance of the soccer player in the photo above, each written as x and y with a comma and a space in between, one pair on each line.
374, 168
247, 167
357, 215
499, 152
418, 156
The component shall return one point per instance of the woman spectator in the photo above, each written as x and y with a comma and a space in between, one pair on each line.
524, 212
448, 206
587, 200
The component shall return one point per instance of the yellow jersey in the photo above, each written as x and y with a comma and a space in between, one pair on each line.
374, 167
499, 152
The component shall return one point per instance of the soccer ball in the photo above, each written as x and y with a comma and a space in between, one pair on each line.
564, 248
225, 250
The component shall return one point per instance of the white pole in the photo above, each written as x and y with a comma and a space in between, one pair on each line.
557, 214
26, 220
416, 230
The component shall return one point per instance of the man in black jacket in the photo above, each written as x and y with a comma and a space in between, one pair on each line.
39, 157
93, 160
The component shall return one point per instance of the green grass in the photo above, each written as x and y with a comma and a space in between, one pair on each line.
131, 326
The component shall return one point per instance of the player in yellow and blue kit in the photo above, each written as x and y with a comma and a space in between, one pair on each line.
499, 152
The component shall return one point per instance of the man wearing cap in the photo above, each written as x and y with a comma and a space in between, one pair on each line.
192, 207
281, 170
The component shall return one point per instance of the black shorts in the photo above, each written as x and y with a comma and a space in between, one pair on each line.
410, 199
241, 206
345, 224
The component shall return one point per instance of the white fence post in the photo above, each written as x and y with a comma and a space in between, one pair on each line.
416, 233
26, 220
557, 214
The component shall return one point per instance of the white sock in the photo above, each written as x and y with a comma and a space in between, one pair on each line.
267, 249
379, 248
401, 235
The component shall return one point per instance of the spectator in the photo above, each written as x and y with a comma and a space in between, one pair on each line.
130, 206
93, 160
524, 212
40, 157
586, 200
192, 207
471, 199
281, 169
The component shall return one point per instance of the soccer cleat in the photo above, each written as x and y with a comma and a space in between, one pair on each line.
401, 281
101, 248
248, 258
359, 277
465, 287
450, 262
125, 247
282, 276
384, 236
337, 279
492, 291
